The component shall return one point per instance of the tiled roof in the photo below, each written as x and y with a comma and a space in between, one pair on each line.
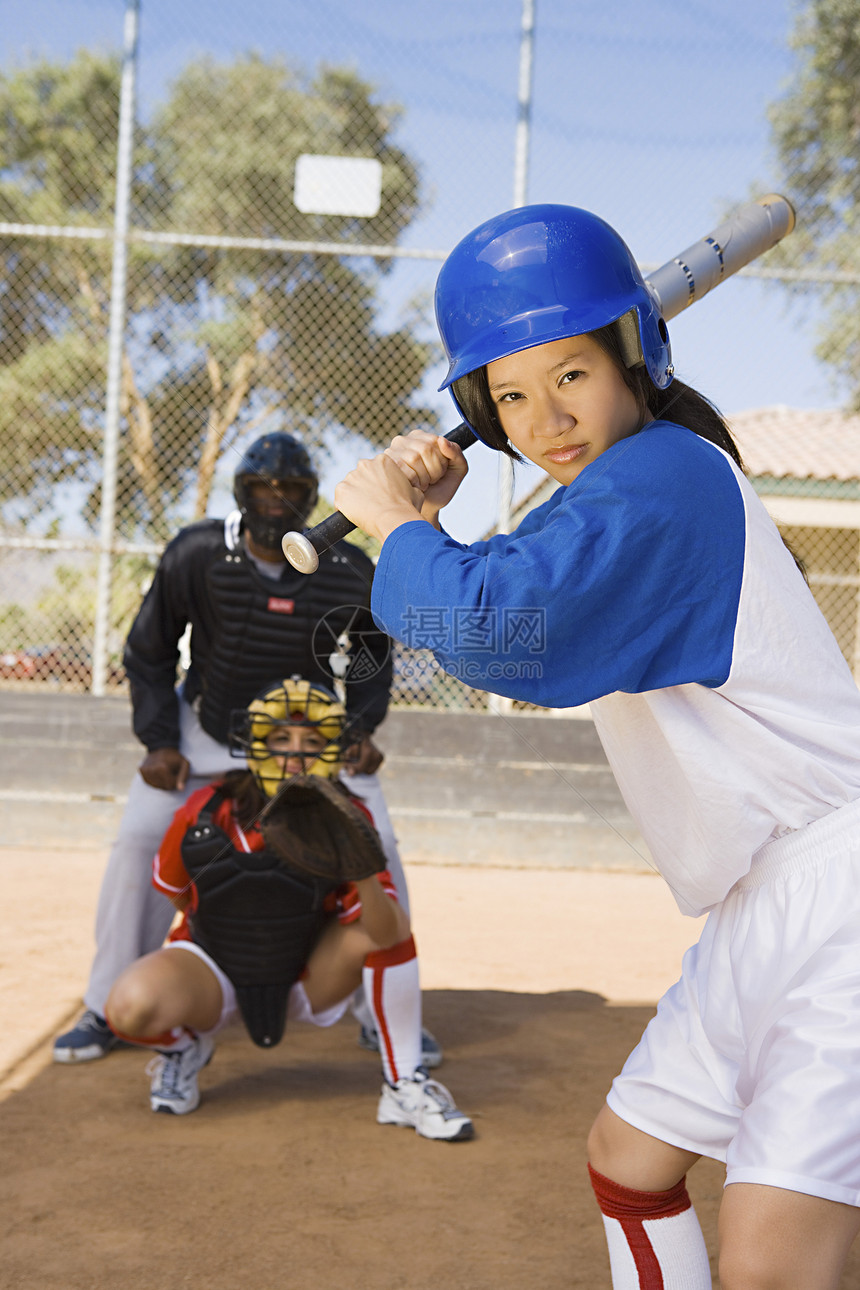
790, 443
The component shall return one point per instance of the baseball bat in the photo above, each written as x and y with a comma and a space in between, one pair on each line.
303, 550
753, 229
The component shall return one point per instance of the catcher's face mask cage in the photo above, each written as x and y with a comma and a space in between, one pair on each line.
281, 462
282, 706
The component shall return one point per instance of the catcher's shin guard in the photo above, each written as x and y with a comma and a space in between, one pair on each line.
393, 991
654, 1238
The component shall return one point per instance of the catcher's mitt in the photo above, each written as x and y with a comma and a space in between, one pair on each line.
314, 826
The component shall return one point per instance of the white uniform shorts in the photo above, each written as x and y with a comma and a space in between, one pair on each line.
753, 1057
298, 1006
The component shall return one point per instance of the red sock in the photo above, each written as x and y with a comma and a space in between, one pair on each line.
393, 992
654, 1238
168, 1041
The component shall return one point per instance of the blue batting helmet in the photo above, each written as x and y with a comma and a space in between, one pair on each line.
541, 273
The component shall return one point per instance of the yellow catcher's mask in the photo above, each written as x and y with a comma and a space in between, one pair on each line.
288, 703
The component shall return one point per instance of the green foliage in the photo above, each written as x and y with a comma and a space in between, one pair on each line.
218, 340
59, 141
230, 134
816, 130
44, 396
61, 613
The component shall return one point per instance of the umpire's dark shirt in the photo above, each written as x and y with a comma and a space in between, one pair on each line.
248, 630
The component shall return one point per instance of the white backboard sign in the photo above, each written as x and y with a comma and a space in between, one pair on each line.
337, 185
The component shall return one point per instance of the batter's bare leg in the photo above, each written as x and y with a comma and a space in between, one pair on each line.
633, 1158
651, 1228
771, 1239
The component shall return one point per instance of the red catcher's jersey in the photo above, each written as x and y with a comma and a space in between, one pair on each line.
170, 877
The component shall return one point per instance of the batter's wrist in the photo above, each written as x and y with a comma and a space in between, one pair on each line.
394, 517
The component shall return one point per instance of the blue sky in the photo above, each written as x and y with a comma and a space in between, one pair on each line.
653, 115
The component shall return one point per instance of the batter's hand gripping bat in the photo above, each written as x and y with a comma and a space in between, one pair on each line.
753, 229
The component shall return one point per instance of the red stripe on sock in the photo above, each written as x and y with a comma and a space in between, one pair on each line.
378, 961
647, 1266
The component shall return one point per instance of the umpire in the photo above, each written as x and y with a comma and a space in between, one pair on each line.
251, 618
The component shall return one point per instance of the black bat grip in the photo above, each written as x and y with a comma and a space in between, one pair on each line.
304, 549
328, 531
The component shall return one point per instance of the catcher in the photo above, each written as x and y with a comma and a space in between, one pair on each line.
287, 908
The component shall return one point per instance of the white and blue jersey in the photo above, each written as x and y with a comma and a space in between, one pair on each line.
656, 588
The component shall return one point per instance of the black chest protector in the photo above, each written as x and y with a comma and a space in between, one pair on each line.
258, 920
266, 629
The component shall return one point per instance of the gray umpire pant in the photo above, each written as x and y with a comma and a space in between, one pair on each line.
132, 917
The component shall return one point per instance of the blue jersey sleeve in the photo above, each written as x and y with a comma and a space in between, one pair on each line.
627, 579
531, 523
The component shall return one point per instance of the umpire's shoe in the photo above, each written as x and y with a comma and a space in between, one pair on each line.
422, 1104
92, 1037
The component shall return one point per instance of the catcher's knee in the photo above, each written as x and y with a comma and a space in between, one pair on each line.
400, 932
131, 1006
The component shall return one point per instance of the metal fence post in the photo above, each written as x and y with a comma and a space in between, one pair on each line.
524, 103
119, 274
521, 180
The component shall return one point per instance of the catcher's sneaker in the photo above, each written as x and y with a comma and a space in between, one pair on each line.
422, 1104
431, 1052
92, 1037
174, 1077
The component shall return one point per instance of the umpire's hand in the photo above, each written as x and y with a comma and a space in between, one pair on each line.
363, 757
165, 768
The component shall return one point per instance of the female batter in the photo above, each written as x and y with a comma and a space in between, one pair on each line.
653, 585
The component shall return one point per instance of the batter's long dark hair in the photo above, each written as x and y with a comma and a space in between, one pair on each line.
678, 403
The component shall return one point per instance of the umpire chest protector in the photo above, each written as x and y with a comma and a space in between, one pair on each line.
265, 627
256, 918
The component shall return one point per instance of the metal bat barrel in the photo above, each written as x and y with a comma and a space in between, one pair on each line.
303, 550
753, 229
747, 234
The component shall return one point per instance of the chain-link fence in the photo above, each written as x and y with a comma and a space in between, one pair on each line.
169, 293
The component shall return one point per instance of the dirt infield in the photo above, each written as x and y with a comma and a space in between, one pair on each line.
537, 984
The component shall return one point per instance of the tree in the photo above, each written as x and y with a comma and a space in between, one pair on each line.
220, 341
53, 625
57, 155
816, 131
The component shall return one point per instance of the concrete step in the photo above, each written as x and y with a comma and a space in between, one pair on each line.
462, 788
